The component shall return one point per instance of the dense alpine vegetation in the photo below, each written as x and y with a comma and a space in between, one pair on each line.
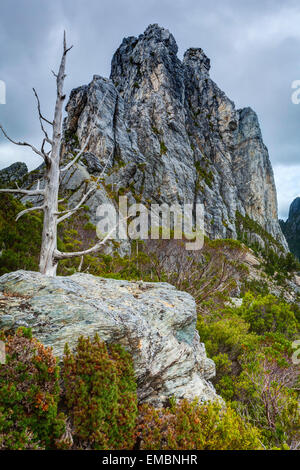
249, 338
94, 405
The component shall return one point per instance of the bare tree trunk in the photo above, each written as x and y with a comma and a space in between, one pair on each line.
48, 264
50, 255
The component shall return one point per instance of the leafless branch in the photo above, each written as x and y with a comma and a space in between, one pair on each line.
25, 144
29, 192
30, 209
58, 255
66, 49
80, 264
85, 145
68, 213
65, 168
41, 117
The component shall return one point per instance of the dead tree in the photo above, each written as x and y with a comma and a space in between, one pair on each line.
49, 254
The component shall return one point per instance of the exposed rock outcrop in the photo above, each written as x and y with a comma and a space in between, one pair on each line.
14, 172
174, 136
154, 321
291, 227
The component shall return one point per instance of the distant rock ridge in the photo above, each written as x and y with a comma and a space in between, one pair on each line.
14, 172
291, 227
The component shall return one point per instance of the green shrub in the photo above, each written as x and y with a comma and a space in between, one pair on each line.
19, 241
229, 335
208, 177
189, 426
226, 340
275, 260
100, 394
252, 351
245, 226
267, 391
163, 148
29, 394
268, 314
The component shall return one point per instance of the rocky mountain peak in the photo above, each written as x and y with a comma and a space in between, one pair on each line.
196, 146
155, 35
295, 208
249, 127
147, 63
197, 60
168, 134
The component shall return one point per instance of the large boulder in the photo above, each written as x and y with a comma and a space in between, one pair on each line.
154, 321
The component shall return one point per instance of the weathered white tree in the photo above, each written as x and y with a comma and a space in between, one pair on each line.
49, 254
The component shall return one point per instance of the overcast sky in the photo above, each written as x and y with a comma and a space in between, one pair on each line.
254, 47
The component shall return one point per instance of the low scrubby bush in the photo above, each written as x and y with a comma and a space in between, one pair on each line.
268, 314
191, 426
29, 395
100, 392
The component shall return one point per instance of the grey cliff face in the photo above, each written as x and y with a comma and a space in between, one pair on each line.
254, 174
154, 321
291, 227
173, 136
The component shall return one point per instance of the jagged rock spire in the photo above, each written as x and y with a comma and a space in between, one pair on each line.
174, 136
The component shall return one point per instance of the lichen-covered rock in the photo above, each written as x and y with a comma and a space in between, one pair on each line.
154, 321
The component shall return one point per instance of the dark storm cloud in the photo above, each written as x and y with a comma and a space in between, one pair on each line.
254, 47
